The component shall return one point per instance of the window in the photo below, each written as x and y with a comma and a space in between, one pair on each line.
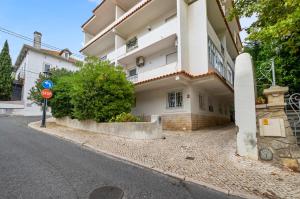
171, 58
67, 55
211, 108
132, 44
215, 58
230, 74
201, 102
210, 105
47, 67
132, 72
175, 100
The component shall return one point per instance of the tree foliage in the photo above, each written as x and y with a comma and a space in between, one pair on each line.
35, 92
101, 91
98, 91
6, 70
275, 34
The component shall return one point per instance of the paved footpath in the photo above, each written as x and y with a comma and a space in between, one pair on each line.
34, 165
206, 157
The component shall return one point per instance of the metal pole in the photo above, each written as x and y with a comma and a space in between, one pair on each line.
43, 125
273, 73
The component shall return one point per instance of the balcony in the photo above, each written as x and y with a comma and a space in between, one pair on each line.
133, 79
131, 21
219, 58
150, 73
149, 43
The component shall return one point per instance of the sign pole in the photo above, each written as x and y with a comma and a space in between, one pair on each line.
43, 125
46, 94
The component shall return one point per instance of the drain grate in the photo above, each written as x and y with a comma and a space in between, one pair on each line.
107, 192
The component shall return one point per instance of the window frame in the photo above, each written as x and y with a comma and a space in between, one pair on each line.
175, 99
201, 105
131, 69
176, 52
50, 66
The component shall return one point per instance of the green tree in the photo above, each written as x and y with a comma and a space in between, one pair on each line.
6, 70
275, 34
35, 92
98, 91
101, 91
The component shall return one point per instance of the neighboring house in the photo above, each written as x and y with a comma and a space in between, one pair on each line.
32, 61
180, 55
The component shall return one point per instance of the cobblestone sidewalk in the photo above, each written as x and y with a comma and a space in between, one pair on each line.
206, 156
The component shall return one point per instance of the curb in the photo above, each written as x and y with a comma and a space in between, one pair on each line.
149, 167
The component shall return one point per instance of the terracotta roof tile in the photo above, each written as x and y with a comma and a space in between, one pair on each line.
192, 77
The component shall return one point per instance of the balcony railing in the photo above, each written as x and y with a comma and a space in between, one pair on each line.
216, 60
167, 29
133, 79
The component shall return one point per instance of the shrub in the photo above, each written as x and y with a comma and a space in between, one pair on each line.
98, 91
101, 91
61, 102
35, 92
125, 117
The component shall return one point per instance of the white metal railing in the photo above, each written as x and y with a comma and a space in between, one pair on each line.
215, 58
218, 62
133, 79
157, 34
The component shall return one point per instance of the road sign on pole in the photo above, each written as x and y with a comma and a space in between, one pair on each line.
47, 84
46, 93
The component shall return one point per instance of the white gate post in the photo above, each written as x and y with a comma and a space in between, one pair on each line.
245, 114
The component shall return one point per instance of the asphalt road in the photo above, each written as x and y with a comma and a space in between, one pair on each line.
38, 166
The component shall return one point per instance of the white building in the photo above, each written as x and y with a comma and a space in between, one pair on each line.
32, 61
179, 54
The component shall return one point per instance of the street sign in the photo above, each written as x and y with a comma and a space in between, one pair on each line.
47, 84
46, 94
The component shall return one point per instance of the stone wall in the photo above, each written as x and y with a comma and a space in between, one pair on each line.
285, 150
189, 122
131, 130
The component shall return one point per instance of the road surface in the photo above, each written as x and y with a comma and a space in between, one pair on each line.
34, 165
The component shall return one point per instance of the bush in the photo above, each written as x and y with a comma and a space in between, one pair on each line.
35, 92
98, 91
101, 91
125, 117
61, 102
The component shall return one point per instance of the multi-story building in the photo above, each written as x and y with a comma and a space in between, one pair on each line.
179, 54
31, 62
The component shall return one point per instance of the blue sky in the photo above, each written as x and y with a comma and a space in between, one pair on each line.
58, 20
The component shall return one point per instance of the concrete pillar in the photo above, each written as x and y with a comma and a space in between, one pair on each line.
275, 96
245, 114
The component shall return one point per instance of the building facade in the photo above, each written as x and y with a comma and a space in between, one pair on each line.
179, 54
32, 61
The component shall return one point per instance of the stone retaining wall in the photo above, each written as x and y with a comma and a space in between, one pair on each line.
188, 122
285, 149
131, 130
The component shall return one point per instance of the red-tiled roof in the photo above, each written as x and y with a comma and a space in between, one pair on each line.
134, 11
188, 75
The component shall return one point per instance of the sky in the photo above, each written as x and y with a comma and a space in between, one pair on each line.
58, 20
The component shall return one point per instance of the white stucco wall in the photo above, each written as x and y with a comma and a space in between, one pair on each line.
183, 29
197, 38
154, 102
34, 66
208, 98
